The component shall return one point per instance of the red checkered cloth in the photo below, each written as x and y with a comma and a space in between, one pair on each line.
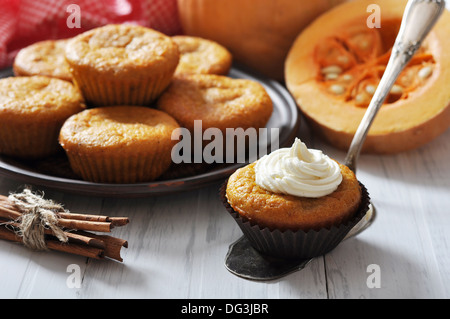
23, 22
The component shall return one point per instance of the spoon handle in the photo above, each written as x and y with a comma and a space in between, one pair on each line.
419, 18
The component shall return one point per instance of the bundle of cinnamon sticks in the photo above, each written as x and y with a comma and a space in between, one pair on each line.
78, 229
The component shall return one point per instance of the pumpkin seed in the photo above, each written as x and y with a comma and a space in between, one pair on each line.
425, 72
331, 76
360, 98
396, 89
347, 77
343, 59
331, 69
364, 44
337, 89
370, 89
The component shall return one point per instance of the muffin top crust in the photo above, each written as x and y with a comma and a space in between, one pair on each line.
198, 55
38, 97
217, 100
123, 48
116, 127
43, 58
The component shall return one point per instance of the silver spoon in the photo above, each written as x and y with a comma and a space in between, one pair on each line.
419, 18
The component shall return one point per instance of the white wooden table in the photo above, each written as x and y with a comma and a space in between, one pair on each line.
178, 243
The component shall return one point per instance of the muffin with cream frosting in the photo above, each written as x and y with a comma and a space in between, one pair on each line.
32, 111
45, 58
122, 64
295, 202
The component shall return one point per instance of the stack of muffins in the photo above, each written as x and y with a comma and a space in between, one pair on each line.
112, 98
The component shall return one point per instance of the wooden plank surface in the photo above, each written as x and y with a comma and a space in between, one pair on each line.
177, 244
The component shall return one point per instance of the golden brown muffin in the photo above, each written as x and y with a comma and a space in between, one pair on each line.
283, 212
219, 101
119, 144
198, 55
43, 58
295, 203
122, 64
32, 111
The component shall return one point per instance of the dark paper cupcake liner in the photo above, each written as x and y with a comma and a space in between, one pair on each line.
296, 245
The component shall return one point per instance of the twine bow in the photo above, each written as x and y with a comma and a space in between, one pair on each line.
38, 214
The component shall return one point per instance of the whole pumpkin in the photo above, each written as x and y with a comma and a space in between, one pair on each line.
258, 33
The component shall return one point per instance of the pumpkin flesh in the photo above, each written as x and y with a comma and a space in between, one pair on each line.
335, 65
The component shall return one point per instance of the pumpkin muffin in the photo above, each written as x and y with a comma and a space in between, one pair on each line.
43, 58
122, 64
119, 144
32, 111
201, 102
218, 101
295, 202
198, 55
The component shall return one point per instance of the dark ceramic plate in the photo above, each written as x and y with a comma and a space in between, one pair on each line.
55, 172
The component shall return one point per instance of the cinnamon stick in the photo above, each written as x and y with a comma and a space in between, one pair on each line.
91, 218
85, 225
70, 220
113, 245
86, 251
73, 237
62, 222
80, 243
9, 213
119, 221
82, 250
80, 240
77, 238
115, 221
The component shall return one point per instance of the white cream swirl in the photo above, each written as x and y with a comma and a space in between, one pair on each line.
298, 171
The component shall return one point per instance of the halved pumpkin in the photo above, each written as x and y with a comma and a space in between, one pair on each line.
335, 64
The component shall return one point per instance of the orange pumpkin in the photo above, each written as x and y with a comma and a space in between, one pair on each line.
258, 33
335, 64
